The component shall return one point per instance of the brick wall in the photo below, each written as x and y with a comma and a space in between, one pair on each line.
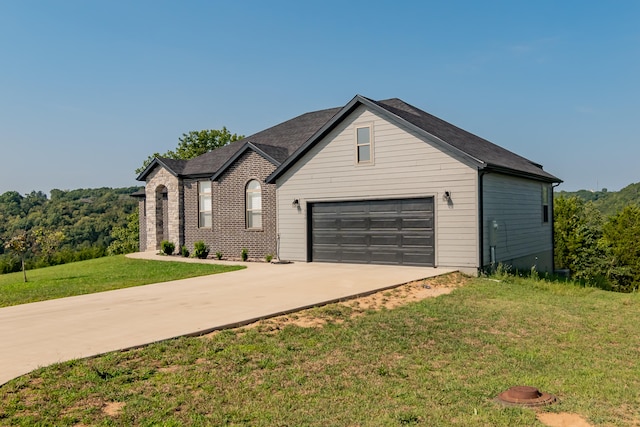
229, 233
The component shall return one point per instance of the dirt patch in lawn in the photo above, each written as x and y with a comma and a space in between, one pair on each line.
351, 308
562, 419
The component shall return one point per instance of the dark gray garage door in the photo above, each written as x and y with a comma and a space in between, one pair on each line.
373, 231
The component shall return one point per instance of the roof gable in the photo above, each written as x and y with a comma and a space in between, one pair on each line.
173, 166
478, 151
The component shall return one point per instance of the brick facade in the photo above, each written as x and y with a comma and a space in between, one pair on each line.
171, 207
229, 233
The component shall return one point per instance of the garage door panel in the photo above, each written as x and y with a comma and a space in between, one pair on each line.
417, 223
353, 239
385, 223
386, 240
352, 224
420, 241
378, 231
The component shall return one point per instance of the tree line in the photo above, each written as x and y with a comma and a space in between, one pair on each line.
596, 237
65, 227
36, 231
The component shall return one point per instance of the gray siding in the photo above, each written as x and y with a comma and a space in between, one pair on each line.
404, 165
523, 239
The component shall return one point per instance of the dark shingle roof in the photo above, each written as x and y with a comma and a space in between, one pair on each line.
284, 143
476, 147
279, 142
480, 152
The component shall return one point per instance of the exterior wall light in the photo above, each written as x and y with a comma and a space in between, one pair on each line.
296, 203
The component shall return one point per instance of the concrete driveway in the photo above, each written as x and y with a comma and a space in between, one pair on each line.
42, 333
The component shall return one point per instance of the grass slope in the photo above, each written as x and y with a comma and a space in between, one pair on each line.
96, 275
437, 362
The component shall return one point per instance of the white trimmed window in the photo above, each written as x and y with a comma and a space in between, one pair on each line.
364, 145
545, 203
254, 204
204, 204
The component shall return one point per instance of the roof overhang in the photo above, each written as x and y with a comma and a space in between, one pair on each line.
155, 162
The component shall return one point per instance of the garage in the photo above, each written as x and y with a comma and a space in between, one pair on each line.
391, 231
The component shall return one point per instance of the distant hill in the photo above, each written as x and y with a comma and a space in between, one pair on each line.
85, 216
607, 202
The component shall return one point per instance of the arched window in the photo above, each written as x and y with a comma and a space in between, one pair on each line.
254, 204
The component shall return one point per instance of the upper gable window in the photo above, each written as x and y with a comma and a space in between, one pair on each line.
204, 204
254, 205
364, 144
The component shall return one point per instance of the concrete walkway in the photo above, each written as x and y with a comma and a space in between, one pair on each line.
42, 333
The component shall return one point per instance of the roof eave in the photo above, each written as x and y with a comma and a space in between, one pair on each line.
508, 171
155, 162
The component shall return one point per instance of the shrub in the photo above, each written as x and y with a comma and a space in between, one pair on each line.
185, 251
219, 255
268, 257
167, 247
244, 254
200, 250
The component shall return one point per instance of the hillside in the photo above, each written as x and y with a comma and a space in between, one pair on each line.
607, 202
86, 218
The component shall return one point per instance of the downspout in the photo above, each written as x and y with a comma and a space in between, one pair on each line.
481, 220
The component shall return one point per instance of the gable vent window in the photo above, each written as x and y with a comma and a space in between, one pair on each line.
204, 204
254, 205
545, 203
364, 145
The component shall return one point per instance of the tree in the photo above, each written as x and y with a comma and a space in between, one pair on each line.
20, 245
126, 238
577, 232
620, 236
194, 144
47, 241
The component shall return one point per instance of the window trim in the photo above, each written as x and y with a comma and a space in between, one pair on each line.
249, 211
370, 144
201, 195
545, 204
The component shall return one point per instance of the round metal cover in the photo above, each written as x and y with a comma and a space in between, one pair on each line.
523, 395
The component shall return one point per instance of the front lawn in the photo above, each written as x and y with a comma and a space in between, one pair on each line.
96, 275
437, 362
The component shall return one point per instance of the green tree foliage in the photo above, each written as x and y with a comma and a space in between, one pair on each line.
599, 250
69, 226
195, 143
19, 244
577, 232
47, 241
126, 238
621, 235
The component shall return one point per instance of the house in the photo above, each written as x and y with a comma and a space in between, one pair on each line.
372, 182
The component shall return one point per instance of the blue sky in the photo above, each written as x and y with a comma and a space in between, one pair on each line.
89, 89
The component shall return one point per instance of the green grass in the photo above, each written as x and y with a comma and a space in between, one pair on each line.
438, 362
97, 275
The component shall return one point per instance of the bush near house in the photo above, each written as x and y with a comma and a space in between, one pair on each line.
200, 249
